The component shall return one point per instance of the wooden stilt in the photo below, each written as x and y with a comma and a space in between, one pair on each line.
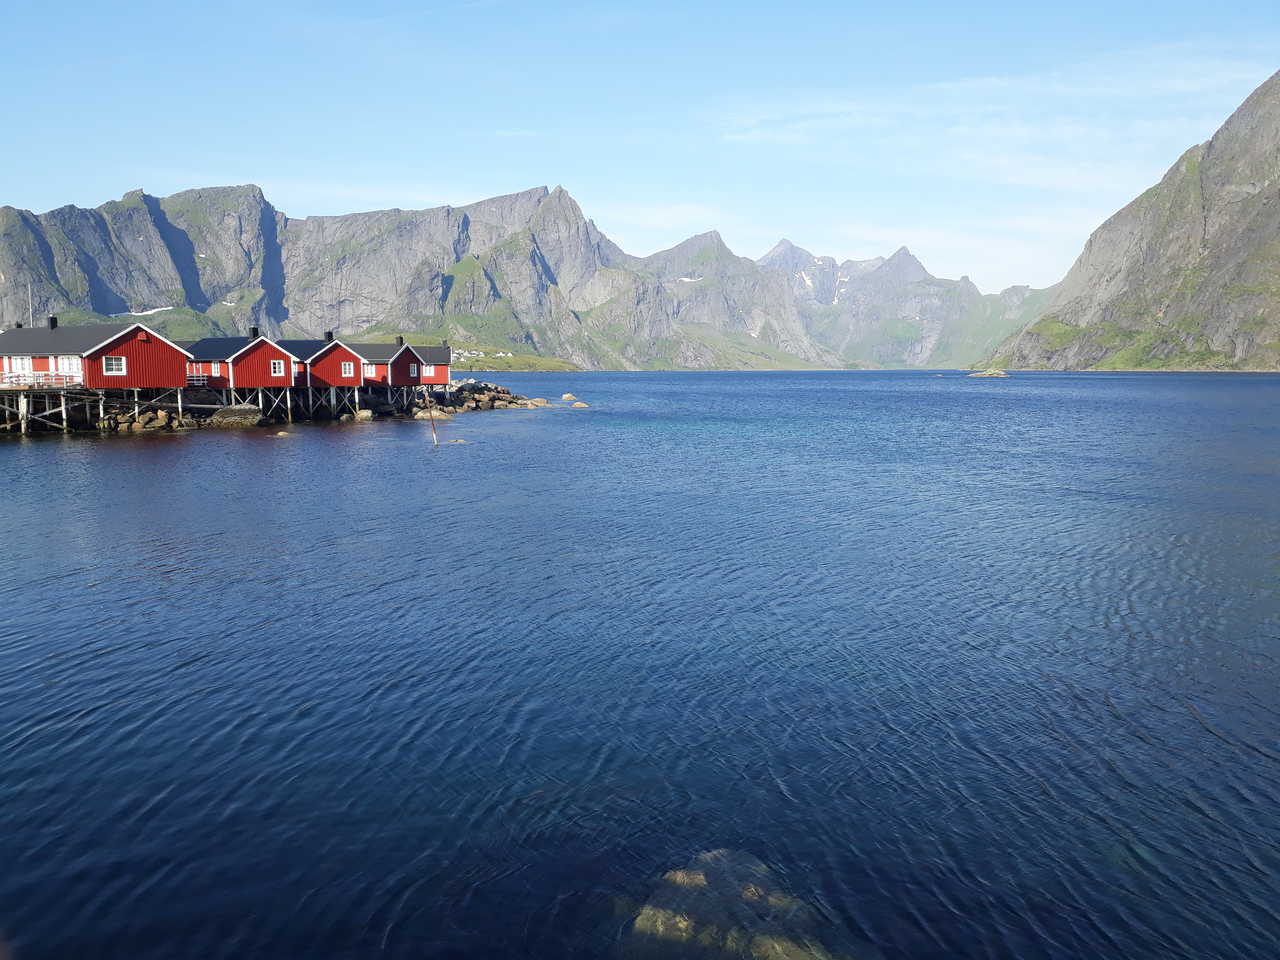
355, 397
288, 404
136, 408
179, 403
24, 418
66, 426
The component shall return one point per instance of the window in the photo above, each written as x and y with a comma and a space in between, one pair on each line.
428, 369
113, 366
413, 369
68, 364
277, 368
348, 368
370, 370
217, 370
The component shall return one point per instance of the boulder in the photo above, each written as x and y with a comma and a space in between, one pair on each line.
439, 415
243, 415
992, 372
579, 404
568, 397
540, 402
345, 418
500, 405
364, 416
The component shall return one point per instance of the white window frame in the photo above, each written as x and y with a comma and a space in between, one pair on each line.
413, 369
215, 370
122, 372
428, 369
370, 369
348, 368
20, 365
68, 363
277, 368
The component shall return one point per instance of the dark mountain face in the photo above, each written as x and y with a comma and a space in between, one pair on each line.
526, 271
1185, 276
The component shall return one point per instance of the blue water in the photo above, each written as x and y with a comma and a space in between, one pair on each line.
983, 669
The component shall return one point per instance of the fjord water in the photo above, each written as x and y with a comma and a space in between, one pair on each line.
980, 668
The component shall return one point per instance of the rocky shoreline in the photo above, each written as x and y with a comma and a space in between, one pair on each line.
202, 411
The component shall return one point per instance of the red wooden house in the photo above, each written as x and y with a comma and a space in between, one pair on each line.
389, 364
240, 363
326, 363
433, 364
108, 356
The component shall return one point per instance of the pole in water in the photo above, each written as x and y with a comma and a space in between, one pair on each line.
431, 412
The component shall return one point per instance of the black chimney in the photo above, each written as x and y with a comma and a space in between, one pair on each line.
253, 333
328, 336
53, 322
18, 325
399, 341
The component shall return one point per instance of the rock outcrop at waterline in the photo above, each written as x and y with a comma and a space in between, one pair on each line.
122, 416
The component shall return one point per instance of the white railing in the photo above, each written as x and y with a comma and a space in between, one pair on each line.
41, 378
197, 380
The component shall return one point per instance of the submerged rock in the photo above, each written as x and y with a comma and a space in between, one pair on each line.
568, 397
579, 404
992, 372
726, 904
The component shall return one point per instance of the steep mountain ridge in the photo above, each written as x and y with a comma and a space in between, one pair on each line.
526, 270
1187, 276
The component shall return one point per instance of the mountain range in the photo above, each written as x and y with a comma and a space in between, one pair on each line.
525, 272
1186, 276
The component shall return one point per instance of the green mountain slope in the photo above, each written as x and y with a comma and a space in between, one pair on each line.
1187, 276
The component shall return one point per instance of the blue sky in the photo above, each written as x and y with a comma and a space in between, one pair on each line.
991, 139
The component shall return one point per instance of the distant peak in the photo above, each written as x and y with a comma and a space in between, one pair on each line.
785, 255
904, 266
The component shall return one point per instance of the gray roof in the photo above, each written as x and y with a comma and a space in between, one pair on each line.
68, 341
376, 352
214, 348
441, 355
302, 349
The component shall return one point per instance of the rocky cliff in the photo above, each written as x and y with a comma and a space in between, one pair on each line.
527, 272
1187, 276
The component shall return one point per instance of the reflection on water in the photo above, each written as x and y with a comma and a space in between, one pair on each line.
977, 669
